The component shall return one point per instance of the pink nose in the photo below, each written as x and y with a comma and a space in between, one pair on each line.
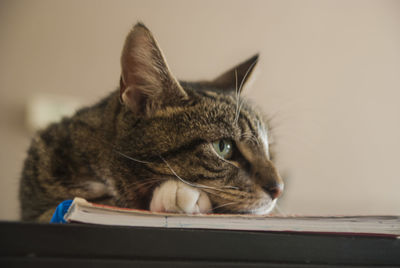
274, 189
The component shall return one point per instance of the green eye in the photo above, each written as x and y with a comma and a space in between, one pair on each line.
224, 148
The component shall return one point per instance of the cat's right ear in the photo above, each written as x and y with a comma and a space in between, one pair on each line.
146, 82
236, 78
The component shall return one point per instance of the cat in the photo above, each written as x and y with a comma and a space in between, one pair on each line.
156, 143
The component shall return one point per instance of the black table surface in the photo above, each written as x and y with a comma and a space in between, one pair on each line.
82, 245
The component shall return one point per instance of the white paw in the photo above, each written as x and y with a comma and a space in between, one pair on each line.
177, 197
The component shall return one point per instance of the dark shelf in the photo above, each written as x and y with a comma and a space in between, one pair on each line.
59, 245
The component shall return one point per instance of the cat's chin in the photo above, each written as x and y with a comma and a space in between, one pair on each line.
264, 210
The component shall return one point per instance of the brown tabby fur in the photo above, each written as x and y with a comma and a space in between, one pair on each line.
117, 151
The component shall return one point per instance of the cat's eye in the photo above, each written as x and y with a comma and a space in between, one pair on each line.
224, 148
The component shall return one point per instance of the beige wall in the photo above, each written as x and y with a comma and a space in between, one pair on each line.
330, 73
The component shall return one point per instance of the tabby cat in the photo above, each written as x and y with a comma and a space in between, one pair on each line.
156, 143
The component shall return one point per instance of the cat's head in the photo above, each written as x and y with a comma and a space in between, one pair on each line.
203, 133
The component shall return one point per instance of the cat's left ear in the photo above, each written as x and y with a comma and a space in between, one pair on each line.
237, 77
146, 82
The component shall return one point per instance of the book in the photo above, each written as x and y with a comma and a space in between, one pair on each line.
85, 212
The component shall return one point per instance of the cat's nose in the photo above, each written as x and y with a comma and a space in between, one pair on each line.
268, 178
274, 189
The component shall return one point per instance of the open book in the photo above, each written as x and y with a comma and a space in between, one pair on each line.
86, 212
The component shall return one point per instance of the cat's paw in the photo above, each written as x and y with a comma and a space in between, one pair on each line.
175, 196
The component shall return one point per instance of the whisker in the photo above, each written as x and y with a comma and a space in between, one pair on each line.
237, 95
280, 211
234, 195
240, 89
240, 108
226, 204
138, 184
131, 158
195, 185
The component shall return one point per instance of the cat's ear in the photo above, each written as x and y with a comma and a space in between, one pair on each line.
146, 82
237, 77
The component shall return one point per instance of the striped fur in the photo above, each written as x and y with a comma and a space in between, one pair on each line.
149, 131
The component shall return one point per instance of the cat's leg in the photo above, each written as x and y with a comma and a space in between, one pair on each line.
178, 197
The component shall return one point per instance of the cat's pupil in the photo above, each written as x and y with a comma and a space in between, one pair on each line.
221, 145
